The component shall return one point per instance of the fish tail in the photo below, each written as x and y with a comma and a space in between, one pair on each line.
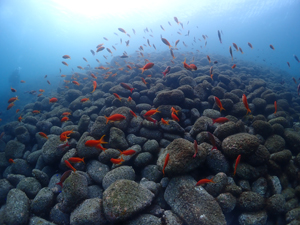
131, 89
213, 121
83, 160
224, 109
106, 119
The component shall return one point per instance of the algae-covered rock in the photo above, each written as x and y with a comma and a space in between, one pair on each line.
122, 172
50, 154
14, 149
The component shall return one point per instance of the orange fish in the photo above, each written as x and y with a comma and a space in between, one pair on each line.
52, 100
93, 76
193, 66
144, 81
41, 90
173, 110
211, 72
75, 82
220, 120
165, 164
22, 81
94, 86
164, 121
176, 43
84, 99
20, 118
117, 96
235, 46
79, 67
275, 106
64, 135
18, 110
237, 161
204, 181
244, 98
39, 95
132, 113
272, 47
76, 160
66, 64
115, 117
128, 152
174, 117
129, 99
11, 100
117, 161
13, 90
66, 114
43, 135
208, 58
84, 59
126, 86
9, 106
100, 49
66, 57
250, 45
36, 111
151, 112
11, 161
68, 164
129, 67
64, 119
219, 103
165, 41
196, 148
185, 65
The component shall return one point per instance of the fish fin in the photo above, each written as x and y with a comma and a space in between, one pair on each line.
106, 119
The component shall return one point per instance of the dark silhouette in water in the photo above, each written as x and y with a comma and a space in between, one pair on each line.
14, 78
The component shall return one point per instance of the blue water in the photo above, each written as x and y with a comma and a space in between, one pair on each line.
35, 34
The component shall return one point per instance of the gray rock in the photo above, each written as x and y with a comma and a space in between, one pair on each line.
173, 127
275, 143
238, 110
145, 219
75, 190
30, 186
41, 176
292, 215
119, 206
49, 150
217, 162
250, 201
216, 188
174, 97
143, 159
211, 113
196, 206
276, 204
259, 218
117, 139
106, 155
44, 126
97, 170
31, 120
17, 207
225, 130
292, 139
100, 127
241, 143
42, 202
21, 167
181, 159
259, 157
86, 151
135, 140
90, 211
151, 134
260, 186
95, 191
14, 149
262, 127
227, 202
200, 125
282, 157
152, 173
5, 187
122, 172
83, 123
39, 221
22, 134
151, 146
59, 217
280, 120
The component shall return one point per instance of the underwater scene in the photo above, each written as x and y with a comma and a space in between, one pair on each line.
150, 112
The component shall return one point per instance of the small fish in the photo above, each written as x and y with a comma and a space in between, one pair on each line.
43, 135
149, 118
84, 59
18, 110
117, 161
129, 99
230, 51
10, 106
128, 152
176, 43
20, 118
288, 64
64, 119
63, 145
219, 103
211, 72
132, 113
105, 38
115, 117
75, 82
250, 45
66, 57
272, 47
234, 65
219, 35
204, 181
162, 27
122, 30
36, 111
237, 161
66, 114
208, 58
186, 66
296, 58
244, 98
63, 62
76, 160
165, 41
151, 112
275, 106
241, 50
176, 20
133, 31
13, 90
294, 79
94, 86
45, 76
48, 82
68, 164
52, 100
147, 67
220, 120
172, 53
64, 177
127, 43
164, 121
65, 135
174, 117
212, 140
193, 66
196, 146
173, 110
165, 164
154, 46
13, 99
23, 81
215, 62
92, 51
84, 99
235, 46
94, 143
11, 161
117, 96
167, 70
144, 81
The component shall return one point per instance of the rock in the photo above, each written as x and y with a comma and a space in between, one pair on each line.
59, 217
280, 120
152, 173
248, 218
262, 127
181, 160
174, 97
22, 134
135, 140
211, 113
117, 139
21, 167
227, 202
173, 127
196, 206
274, 143
99, 128
187, 90
106, 155
225, 130
151, 134
85, 151
41, 176
259, 157
97, 170
217, 162
275, 204
250, 201
83, 123
123, 172
292, 215
119, 206
90, 211
241, 143
44, 126
218, 92
143, 159
30, 186
17, 207
145, 219
49, 150
32, 158
260, 186
238, 110
282, 157
203, 90
292, 139
200, 125
260, 104
31, 120
125, 111
42, 202
14, 149
72, 94
75, 190
216, 188
151, 146
39, 221
5, 187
